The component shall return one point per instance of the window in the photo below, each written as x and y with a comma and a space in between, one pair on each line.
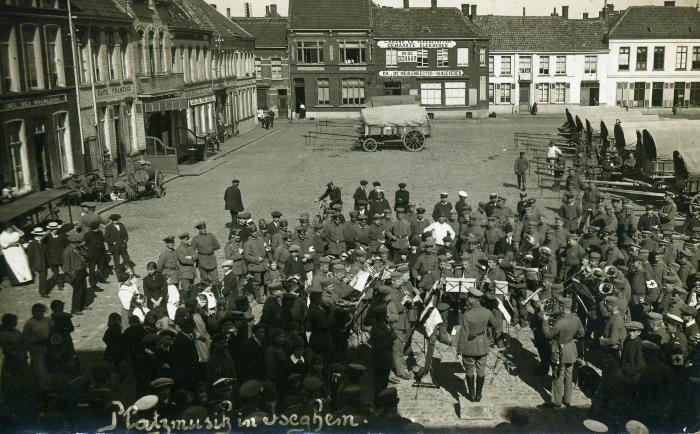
353, 91
111, 56
561, 65
140, 68
9, 66
503, 91
276, 70
422, 58
123, 45
491, 65
352, 52
696, 59
455, 93
544, 65
442, 59
525, 65
32, 57
695, 94
391, 57
258, 68
623, 63
61, 129
310, 52
505, 65
638, 94
392, 88
659, 58
641, 64
13, 157
431, 93
559, 93
95, 54
54, 48
542, 90
681, 57
590, 64
491, 92
83, 55
482, 57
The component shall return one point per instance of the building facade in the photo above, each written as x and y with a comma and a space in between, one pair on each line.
436, 54
655, 58
562, 62
38, 119
271, 62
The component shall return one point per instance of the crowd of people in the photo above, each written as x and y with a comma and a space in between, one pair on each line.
594, 284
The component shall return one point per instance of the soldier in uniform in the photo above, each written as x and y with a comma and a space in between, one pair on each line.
562, 334
401, 197
649, 221
168, 263
570, 212
474, 344
442, 208
255, 256
332, 193
117, 237
74, 267
335, 237
426, 262
206, 244
462, 206
614, 333
398, 233
418, 226
186, 259
274, 226
233, 201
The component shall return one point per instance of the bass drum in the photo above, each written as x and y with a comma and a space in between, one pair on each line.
144, 174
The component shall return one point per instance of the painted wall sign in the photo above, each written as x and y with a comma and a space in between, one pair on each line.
407, 57
417, 44
419, 73
34, 102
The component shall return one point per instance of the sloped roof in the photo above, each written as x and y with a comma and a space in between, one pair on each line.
329, 14
268, 32
543, 33
98, 9
206, 16
657, 22
170, 13
423, 23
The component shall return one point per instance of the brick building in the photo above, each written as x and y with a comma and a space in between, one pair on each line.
271, 61
437, 54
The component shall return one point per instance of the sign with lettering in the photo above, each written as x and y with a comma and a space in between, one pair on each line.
407, 57
417, 44
33, 102
420, 73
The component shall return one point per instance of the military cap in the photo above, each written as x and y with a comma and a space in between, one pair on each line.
324, 259
352, 390
402, 185
674, 318
276, 214
294, 377
223, 383
686, 253
312, 384
475, 292
594, 255
356, 368
183, 235
94, 224
377, 215
338, 267
634, 325
362, 217
169, 239
649, 207
382, 248
361, 202
162, 382
250, 389
429, 244
115, 217
654, 316
294, 248
595, 426
244, 215
442, 307
300, 229
396, 275
200, 225
442, 258
363, 182
420, 210
353, 213
388, 396
400, 210
276, 284
227, 263
376, 183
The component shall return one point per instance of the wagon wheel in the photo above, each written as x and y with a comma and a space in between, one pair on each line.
370, 145
413, 140
694, 204
159, 184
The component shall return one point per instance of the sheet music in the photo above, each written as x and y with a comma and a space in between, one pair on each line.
433, 321
359, 282
504, 311
452, 284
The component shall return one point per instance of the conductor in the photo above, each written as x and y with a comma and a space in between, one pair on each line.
474, 344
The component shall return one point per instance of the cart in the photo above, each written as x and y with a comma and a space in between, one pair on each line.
142, 180
404, 125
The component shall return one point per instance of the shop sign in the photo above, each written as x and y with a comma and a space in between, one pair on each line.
417, 44
33, 102
113, 92
202, 100
407, 57
310, 68
420, 73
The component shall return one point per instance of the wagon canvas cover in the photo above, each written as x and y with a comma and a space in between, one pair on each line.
395, 116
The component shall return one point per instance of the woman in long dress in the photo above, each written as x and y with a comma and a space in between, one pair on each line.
14, 253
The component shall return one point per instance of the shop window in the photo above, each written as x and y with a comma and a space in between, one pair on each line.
695, 65
544, 65
641, 64
659, 53
62, 132
463, 56
681, 58
542, 90
560, 66
505, 66
324, 88
442, 58
310, 52
353, 91
695, 94
352, 51
590, 64
422, 58
391, 57
431, 93
623, 63
34, 73
455, 93
9, 66
13, 157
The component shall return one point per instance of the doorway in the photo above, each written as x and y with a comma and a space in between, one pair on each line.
524, 97
43, 166
299, 93
119, 137
593, 96
282, 107
679, 94
657, 94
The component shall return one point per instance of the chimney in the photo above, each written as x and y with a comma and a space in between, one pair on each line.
228, 13
670, 3
273, 10
565, 12
406, 4
247, 10
433, 4
554, 14
267, 11
585, 15
465, 9
473, 15
523, 10
611, 7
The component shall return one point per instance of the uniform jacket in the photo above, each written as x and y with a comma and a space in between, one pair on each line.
205, 245
336, 239
401, 199
116, 237
424, 264
614, 333
381, 338
55, 245
253, 249
441, 209
185, 264
521, 166
564, 331
232, 199
570, 215
167, 260
401, 229
233, 251
37, 255
473, 341
333, 194
648, 223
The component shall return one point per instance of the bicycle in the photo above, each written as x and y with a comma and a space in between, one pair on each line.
323, 207
213, 143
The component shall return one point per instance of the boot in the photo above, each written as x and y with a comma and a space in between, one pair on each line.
470, 387
479, 388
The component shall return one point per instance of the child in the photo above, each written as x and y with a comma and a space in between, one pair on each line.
173, 299
271, 274
138, 307
113, 339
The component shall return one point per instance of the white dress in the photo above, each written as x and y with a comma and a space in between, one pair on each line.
15, 256
173, 301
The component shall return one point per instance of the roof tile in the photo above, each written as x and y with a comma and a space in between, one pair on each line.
329, 14
268, 32
422, 23
657, 22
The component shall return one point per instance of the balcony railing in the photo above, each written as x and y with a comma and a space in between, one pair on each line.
157, 84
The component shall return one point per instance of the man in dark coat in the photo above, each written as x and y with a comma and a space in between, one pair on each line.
442, 208
360, 195
74, 268
233, 200
55, 245
117, 237
332, 193
521, 167
381, 339
37, 255
401, 197
320, 320
96, 254
186, 358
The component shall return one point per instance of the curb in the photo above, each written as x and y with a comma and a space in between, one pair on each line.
172, 178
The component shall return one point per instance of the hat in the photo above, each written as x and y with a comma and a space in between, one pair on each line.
356, 368
94, 224
376, 183
200, 225
443, 194
674, 318
649, 345
162, 382
402, 185
115, 217
38, 231
227, 263
475, 292
388, 396
565, 302
595, 426
611, 299
634, 325
362, 217
223, 383
654, 316
442, 307
75, 237
636, 427
363, 182
294, 248
420, 210
250, 389
384, 289
169, 239
276, 214
183, 235
462, 193
649, 207
244, 215
53, 225
312, 384
400, 209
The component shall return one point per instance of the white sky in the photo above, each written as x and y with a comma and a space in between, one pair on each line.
496, 7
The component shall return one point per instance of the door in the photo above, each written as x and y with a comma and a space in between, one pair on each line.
42, 163
120, 161
299, 94
679, 94
657, 94
593, 96
524, 97
282, 108
585, 94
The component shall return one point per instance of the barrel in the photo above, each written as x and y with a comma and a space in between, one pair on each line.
144, 174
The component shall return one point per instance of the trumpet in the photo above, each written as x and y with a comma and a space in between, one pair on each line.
610, 271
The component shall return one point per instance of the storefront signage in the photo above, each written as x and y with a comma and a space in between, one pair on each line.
309, 68
353, 68
407, 57
116, 92
442, 73
202, 100
416, 44
34, 102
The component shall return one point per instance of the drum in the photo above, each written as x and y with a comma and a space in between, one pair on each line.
144, 174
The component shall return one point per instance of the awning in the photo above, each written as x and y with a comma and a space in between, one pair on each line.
30, 205
202, 100
165, 105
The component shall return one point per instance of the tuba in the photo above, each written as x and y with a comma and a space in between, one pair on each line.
605, 289
610, 272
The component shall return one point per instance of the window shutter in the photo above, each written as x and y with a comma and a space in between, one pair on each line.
618, 94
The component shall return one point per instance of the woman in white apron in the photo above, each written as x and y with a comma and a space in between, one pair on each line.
14, 254
173, 299
127, 290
